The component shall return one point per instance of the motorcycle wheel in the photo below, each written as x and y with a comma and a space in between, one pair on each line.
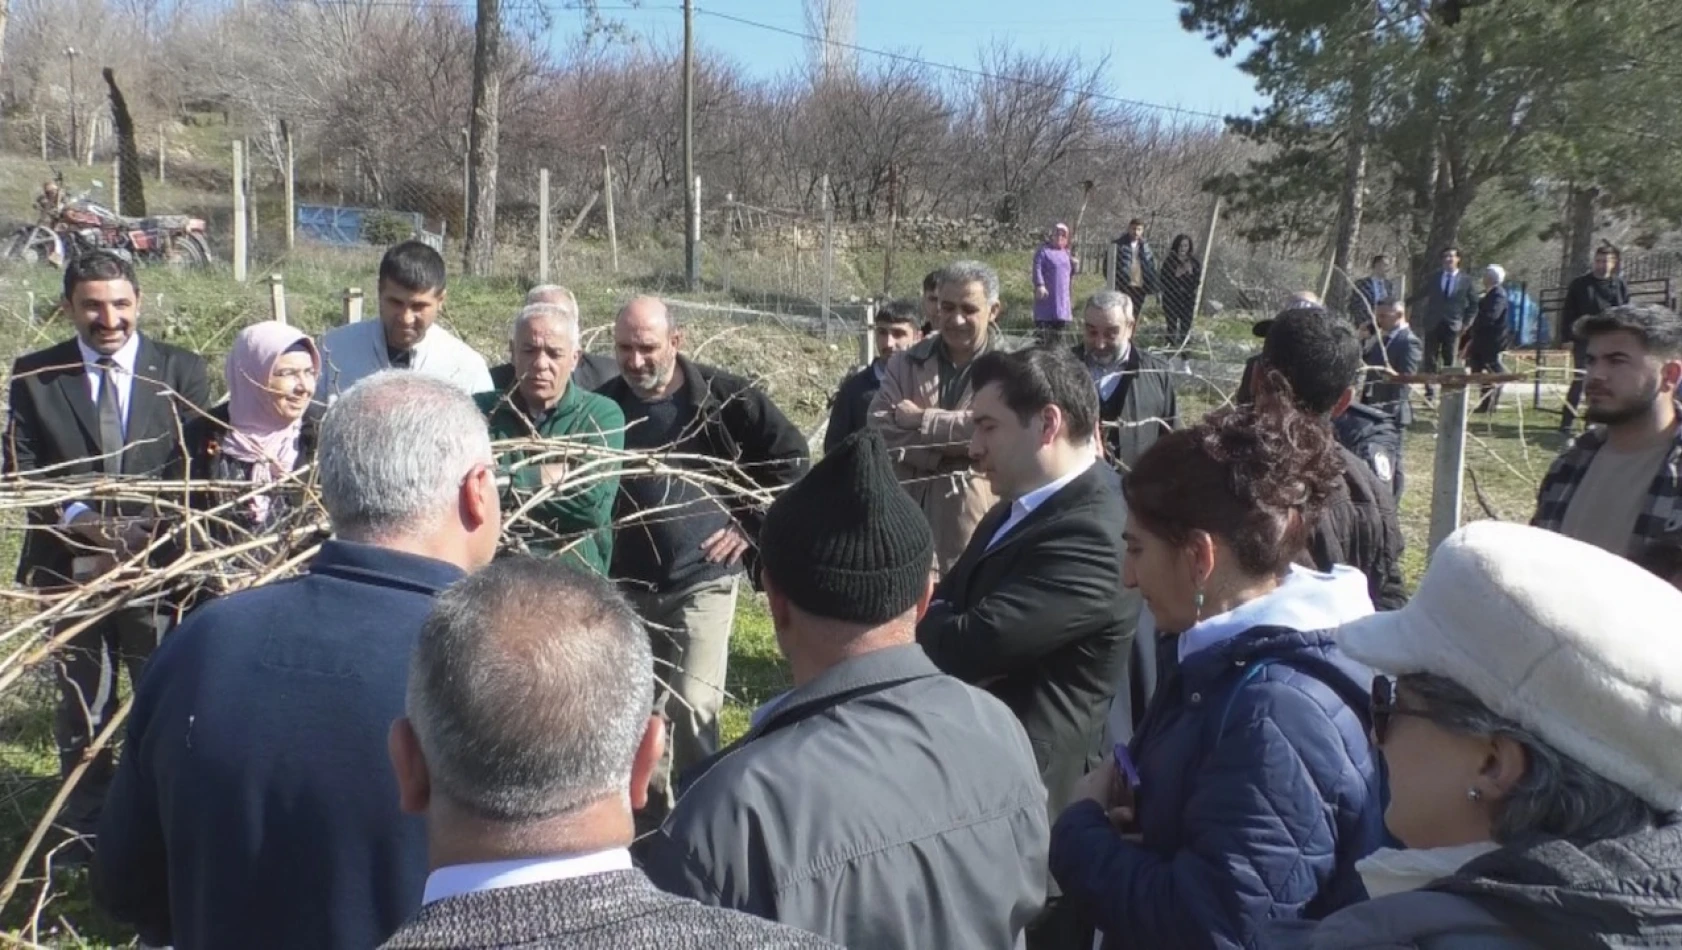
34, 245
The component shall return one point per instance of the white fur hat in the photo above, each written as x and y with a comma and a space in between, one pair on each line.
1576, 644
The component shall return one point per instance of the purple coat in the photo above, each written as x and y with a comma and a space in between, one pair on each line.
1052, 270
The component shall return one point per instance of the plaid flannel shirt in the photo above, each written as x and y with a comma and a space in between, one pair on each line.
1660, 515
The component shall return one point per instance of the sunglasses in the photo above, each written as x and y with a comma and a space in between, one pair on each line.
1385, 708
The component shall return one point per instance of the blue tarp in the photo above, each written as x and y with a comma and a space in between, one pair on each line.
1524, 317
331, 224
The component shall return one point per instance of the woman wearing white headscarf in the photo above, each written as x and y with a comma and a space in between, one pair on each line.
1533, 738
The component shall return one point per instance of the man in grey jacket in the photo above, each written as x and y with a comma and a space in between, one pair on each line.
880, 803
526, 744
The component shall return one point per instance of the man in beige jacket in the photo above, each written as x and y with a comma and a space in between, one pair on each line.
923, 409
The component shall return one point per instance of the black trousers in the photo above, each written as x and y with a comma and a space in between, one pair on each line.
87, 670
1574, 395
1137, 295
1486, 361
1441, 347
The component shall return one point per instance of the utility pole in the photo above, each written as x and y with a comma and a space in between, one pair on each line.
691, 201
70, 54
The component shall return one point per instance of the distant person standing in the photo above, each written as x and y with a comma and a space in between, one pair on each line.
1054, 270
1446, 303
1370, 291
411, 291
1619, 486
1394, 350
1135, 266
1181, 275
895, 329
1490, 334
1593, 293
931, 302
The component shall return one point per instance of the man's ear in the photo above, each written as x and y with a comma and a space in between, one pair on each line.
649, 750
480, 502
677, 339
414, 782
1670, 375
1343, 402
443, 294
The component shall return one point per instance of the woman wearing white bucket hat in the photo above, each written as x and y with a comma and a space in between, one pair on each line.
1534, 742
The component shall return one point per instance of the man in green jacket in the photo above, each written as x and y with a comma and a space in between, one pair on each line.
535, 400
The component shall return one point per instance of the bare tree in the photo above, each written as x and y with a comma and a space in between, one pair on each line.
483, 138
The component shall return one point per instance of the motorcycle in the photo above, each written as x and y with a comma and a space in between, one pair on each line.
81, 225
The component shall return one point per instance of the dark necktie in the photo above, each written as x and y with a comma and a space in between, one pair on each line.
110, 417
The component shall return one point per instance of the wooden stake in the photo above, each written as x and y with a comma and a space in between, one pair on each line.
353, 305
277, 298
607, 191
239, 212
543, 225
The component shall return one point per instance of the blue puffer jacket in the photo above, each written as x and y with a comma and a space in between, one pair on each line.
1259, 788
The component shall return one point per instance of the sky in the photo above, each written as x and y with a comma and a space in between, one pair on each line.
1151, 58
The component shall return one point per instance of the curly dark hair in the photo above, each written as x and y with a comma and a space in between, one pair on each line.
1257, 478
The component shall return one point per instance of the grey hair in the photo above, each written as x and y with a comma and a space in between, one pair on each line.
554, 295
1557, 796
529, 690
1112, 301
393, 452
568, 319
1496, 271
972, 272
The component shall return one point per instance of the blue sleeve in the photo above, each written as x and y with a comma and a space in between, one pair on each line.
1258, 843
130, 875
1039, 276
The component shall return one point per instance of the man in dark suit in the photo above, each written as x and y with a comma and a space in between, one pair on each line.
1033, 609
896, 331
528, 741
1394, 349
1136, 399
1446, 305
107, 404
590, 371
1370, 291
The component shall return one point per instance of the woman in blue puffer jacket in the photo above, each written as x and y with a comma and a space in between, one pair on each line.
1251, 788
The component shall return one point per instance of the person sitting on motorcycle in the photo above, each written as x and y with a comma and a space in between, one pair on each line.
50, 203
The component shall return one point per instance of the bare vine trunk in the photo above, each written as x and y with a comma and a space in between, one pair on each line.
482, 136
133, 192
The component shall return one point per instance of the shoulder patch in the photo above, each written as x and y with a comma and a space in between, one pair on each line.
1381, 466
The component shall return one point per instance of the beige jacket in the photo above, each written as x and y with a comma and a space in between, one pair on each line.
932, 461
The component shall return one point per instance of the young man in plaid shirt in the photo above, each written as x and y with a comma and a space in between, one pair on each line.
1619, 486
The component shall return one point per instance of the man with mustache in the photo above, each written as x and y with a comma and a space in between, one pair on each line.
1619, 485
109, 403
682, 533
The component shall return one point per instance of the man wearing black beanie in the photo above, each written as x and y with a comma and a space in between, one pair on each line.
880, 803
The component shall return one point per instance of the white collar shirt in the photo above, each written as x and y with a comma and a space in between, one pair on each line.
495, 875
124, 375
1022, 507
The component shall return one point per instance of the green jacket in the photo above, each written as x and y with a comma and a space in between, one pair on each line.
577, 522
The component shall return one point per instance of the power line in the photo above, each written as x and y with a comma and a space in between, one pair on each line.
961, 70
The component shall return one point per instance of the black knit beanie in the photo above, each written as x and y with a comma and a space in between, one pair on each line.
846, 542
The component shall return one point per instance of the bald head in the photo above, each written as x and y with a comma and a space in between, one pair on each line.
645, 342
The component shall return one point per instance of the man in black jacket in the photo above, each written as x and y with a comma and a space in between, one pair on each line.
1589, 295
108, 404
680, 538
896, 330
1318, 359
1370, 291
1445, 306
1033, 610
1135, 389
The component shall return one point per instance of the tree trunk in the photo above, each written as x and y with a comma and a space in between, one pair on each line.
132, 183
1585, 201
1352, 200
482, 136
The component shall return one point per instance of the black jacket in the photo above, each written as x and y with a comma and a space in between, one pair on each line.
1141, 410
1373, 436
1037, 620
741, 425
53, 423
1452, 310
1490, 331
1367, 294
1359, 528
850, 411
1589, 295
1401, 351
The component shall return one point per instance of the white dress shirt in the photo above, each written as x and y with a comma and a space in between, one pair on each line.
495, 875
123, 377
124, 374
1023, 507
